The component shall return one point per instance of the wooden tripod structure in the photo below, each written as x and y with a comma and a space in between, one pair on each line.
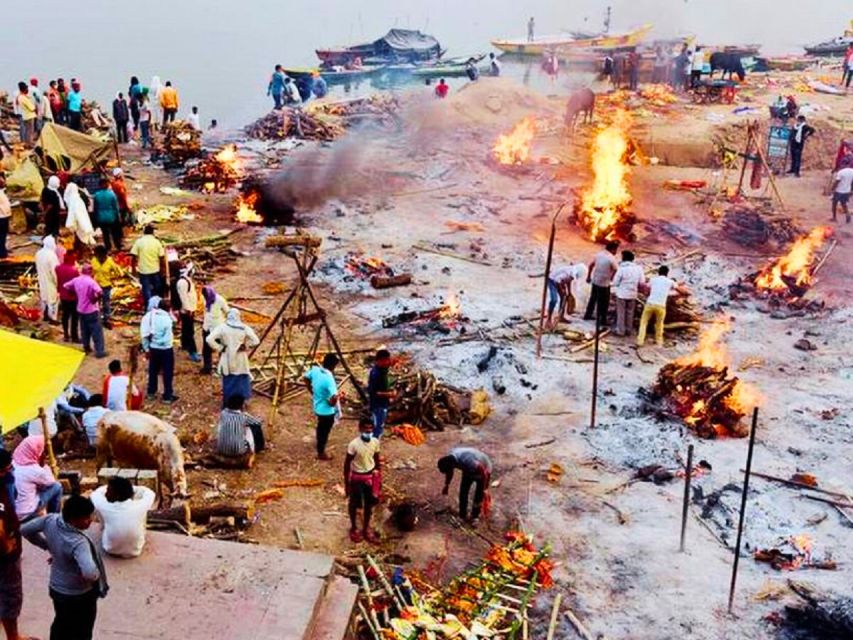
753, 152
291, 342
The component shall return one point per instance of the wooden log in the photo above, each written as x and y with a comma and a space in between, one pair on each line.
301, 240
180, 514
449, 254
386, 282
800, 485
240, 511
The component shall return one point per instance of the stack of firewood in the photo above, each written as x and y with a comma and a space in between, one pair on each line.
702, 396
297, 123
181, 141
94, 119
425, 401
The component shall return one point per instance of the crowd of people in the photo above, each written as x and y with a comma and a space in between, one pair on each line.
135, 114
570, 285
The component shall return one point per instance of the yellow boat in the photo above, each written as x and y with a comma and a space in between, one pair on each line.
539, 46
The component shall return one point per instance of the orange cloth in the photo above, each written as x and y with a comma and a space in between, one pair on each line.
169, 98
120, 189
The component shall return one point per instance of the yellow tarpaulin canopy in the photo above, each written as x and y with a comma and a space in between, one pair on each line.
25, 181
62, 148
32, 375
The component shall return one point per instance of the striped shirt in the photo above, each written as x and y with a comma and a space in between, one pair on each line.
234, 435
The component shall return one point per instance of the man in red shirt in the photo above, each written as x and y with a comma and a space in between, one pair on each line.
441, 89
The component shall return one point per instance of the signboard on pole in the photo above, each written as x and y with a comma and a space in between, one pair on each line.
778, 142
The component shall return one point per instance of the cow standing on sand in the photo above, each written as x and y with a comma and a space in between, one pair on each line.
137, 440
730, 63
580, 102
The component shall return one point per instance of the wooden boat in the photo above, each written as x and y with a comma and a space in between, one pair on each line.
836, 47
451, 67
543, 44
398, 45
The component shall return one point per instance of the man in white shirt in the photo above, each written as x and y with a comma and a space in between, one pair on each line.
123, 510
842, 187
661, 287
561, 290
629, 277
194, 119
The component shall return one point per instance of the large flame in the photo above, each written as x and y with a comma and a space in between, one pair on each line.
796, 265
604, 204
712, 353
246, 208
514, 148
228, 157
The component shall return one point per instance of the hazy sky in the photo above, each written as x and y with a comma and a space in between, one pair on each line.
219, 53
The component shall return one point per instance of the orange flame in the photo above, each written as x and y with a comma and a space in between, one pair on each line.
796, 265
514, 148
246, 209
228, 157
603, 205
711, 352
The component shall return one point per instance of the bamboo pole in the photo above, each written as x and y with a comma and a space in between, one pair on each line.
743, 506
555, 611
686, 506
595, 370
548, 259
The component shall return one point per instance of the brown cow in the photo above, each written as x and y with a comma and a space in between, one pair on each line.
137, 440
581, 101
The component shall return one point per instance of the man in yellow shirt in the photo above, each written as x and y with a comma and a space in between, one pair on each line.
106, 272
26, 108
148, 253
363, 481
169, 102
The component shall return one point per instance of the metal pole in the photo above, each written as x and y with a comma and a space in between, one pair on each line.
595, 367
743, 505
686, 505
545, 283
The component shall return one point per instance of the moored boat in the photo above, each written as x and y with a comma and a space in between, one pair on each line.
539, 46
398, 45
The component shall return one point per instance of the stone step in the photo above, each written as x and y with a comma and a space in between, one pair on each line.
332, 618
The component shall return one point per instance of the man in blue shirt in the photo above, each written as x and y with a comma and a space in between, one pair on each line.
276, 86
74, 105
379, 391
107, 216
157, 339
324, 390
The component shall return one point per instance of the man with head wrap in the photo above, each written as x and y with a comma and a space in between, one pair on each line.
233, 340
51, 206
46, 263
215, 310
185, 301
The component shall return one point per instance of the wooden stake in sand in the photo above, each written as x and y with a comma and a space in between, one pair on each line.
555, 611
743, 506
548, 258
686, 506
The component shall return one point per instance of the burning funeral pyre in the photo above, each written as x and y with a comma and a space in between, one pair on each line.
786, 280
216, 173
245, 208
443, 319
513, 149
699, 389
380, 274
603, 209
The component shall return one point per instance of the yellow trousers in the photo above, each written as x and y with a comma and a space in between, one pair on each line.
659, 314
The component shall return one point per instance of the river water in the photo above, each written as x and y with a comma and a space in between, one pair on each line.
219, 53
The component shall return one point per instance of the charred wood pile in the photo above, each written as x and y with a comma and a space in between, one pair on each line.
817, 616
751, 229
